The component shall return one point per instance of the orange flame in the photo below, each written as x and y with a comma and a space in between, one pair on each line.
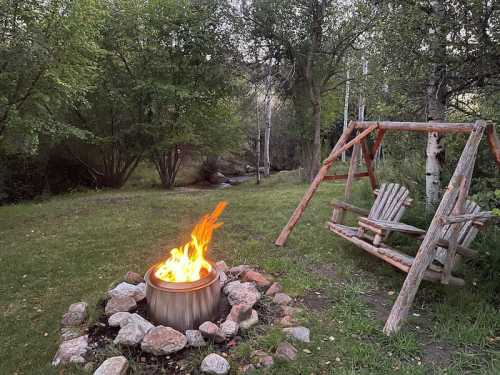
188, 263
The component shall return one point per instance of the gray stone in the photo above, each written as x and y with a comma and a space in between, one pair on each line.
120, 304
230, 328
211, 331
137, 292
163, 341
76, 315
72, 351
250, 322
116, 319
133, 278
286, 352
240, 313
241, 293
215, 364
282, 299
70, 333
286, 321
263, 358
298, 333
132, 331
195, 338
113, 366
273, 289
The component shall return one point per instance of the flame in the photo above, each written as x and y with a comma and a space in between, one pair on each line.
188, 263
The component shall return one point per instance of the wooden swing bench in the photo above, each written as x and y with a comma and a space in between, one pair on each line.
452, 229
383, 219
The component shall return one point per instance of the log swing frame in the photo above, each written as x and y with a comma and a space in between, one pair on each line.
450, 210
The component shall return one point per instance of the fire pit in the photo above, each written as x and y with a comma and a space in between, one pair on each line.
184, 290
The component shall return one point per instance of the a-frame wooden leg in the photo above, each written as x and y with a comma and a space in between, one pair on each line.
427, 249
341, 146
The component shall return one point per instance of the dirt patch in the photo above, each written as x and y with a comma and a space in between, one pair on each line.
380, 303
316, 300
438, 354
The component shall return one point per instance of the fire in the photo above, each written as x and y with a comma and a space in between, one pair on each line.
188, 263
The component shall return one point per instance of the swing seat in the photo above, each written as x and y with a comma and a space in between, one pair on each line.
388, 208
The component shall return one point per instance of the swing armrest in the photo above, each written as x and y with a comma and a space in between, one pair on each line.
349, 207
383, 226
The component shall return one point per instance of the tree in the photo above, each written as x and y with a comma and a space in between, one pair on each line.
308, 40
433, 55
46, 61
163, 89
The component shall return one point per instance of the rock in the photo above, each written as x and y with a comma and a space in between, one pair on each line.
72, 351
133, 278
256, 277
286, 321
221, 266
286, 352
132, 331
214, 364
113, 366
70, 333
282, 299
298, 333
240, 313
250, 322
120, 304
263, 358
211, 331
239, 269
217, 178
163, 341
137, 319
116, 319
273, 289
137, 292
76, 315
245, 369
241, 293
230, 328
195, 338
223, 279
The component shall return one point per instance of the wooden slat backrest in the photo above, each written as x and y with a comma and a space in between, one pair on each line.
390, 202
466, 234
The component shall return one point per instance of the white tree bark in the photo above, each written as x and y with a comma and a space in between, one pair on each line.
267, 131
432, 171
257, 146
346, 103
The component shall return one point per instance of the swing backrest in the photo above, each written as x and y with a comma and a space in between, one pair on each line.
467, 230
391, 202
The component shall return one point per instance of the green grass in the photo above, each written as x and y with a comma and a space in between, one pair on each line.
73, 247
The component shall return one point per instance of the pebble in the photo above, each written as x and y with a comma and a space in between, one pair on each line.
113, 366
282, 299
76, 315
212, 331
248, 323
286, 352
72, 351
215, 364
195, 338
162, 340
298, 333
273, 289
120, 304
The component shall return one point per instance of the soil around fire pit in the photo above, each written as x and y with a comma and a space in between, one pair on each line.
101, 337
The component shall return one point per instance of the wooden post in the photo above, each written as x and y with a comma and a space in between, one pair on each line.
348, 185
368, 157
427, 249
335, 153
455, 228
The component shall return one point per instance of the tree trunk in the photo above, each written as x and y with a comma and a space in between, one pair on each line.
436, 108
257, 143
346, 103
316, 144
267, 131
167, 164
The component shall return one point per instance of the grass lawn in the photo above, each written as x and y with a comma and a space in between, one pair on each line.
71, 248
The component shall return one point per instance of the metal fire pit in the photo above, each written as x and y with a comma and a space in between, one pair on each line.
183, 305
